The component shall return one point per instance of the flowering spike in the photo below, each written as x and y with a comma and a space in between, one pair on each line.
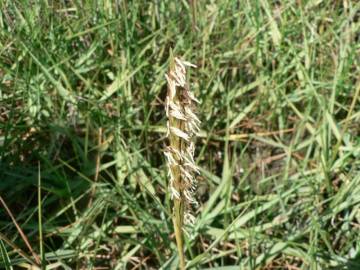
182, 127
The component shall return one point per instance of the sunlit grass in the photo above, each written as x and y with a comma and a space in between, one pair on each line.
82, 90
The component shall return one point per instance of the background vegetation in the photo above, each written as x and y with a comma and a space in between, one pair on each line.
82, 126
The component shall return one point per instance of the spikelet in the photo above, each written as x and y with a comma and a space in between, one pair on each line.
182, 126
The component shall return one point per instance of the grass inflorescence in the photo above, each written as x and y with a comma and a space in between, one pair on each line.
182, 126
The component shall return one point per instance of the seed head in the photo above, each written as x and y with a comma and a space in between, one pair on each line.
182, 127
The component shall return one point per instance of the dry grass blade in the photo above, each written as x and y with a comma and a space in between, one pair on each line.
23, 236
17, 249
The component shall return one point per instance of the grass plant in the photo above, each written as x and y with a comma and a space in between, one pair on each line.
83, 129
182, 126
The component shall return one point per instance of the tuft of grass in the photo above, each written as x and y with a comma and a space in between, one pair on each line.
279, 149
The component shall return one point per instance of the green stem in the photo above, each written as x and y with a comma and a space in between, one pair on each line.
178, 214
179, 207
178, 223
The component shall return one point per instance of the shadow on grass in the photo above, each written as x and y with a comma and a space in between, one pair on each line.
351, 264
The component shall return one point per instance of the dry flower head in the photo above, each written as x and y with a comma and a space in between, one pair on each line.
182, 126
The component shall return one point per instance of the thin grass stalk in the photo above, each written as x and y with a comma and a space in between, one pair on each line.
182, 126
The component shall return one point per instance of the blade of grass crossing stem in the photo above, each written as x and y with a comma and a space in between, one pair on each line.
5, 257
23, 236
42, 256
226, 173
17, 249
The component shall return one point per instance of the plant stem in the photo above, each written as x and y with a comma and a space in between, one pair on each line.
178, 210
182, 126
178, 223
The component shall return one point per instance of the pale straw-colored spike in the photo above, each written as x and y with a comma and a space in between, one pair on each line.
189, 158
180, 72
172, 88
170, 159
191, 95
189, 218
185, 63
189, 196
178, 115
167, 106
192, 166
177, 80
192, 127
174, 193
186, 173
190, 182
167, 128
175, 153
175, 107
180, 133
191, 149
182, 126
180, 65
189, 113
